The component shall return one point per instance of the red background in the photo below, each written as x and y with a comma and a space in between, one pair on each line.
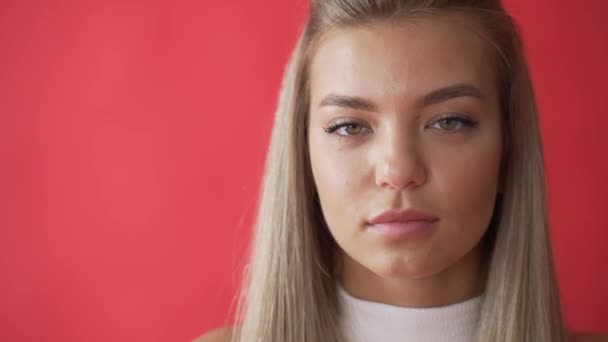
132, 139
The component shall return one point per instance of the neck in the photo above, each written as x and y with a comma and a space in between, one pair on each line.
459, 282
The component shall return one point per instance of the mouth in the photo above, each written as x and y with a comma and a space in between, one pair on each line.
403, 223
407, 215
404, 229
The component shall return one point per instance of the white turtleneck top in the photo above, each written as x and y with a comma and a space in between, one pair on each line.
365, 321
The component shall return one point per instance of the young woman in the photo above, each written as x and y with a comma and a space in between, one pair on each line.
404, 191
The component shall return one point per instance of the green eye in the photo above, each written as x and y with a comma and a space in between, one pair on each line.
346, 129
448, 124
352, 129
453, 123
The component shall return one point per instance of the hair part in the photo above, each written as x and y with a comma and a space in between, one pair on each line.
288, 291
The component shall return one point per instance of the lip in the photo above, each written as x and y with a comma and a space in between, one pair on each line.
402, 216
406, 224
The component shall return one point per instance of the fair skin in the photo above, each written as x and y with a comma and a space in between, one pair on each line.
398, 154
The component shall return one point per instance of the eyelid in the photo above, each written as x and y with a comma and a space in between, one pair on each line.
464, 119
451, 115
344, 122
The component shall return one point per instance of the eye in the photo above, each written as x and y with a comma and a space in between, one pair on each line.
452, 123
346, 129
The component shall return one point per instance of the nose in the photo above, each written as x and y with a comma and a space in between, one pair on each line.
399, 164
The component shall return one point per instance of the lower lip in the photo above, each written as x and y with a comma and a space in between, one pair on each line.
403, 230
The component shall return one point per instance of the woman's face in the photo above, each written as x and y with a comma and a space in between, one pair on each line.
405, 116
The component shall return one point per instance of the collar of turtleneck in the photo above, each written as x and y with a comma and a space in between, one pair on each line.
366, 321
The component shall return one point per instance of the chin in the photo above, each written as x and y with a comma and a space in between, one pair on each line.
403, 267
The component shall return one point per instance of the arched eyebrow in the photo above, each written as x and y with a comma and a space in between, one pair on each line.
434, 97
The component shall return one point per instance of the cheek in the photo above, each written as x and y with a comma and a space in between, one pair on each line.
467, 185
338, 177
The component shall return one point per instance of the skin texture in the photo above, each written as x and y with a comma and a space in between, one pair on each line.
399, 161
399, 156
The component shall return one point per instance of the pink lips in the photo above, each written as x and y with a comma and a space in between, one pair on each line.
403, 223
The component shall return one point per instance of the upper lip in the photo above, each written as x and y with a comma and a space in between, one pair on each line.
395, 215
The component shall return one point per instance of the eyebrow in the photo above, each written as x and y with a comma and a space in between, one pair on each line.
436, 96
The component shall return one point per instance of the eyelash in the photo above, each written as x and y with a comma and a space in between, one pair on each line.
467, 123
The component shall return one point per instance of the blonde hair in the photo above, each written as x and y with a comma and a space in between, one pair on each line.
288, 292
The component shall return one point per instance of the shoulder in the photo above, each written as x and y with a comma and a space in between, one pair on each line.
222, 334
579, 337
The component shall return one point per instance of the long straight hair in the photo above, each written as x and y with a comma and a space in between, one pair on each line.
288, 292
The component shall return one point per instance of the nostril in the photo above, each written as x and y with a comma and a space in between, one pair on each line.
400, 174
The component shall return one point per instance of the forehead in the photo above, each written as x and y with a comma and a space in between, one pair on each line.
401, 61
